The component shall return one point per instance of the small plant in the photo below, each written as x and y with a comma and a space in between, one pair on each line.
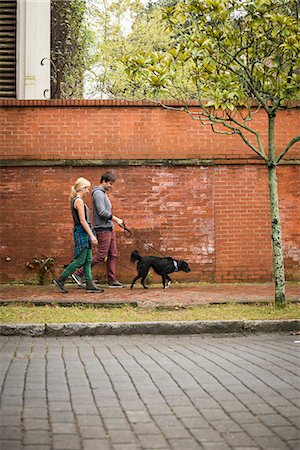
43, 267
149, 278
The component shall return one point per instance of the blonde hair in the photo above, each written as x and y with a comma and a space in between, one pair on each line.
79, 185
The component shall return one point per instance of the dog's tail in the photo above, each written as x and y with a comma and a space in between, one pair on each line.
135, 256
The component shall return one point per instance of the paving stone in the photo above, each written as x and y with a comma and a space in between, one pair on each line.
64, 428
9, 421
169, 421
151, 392
36, 424
214, 414
9, 432
117, 424
186, 444
244, 418
92, 432
234, 406
37, 413
37, 447
112, 413
62, 417
294, 443
205, 403
258, 429
194, 422
11, 445
89, 420
288, 432
131, 446
206, 434
14, 411
274, 442
11, 400
37, 437
288, 411
159, 409
122, 436
85, 409
235, 439
60, 406
219, 446
186, 411
146, 428
259, 408
246, 448
175, 432
95, 444
225, 426
273, 420
294, 421
138, 416
66, 442
153, 441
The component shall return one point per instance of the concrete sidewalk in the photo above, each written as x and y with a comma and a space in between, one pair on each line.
176, 295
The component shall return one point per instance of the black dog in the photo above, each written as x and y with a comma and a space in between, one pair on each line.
162, 266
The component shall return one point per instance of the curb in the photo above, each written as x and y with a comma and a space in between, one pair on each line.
156, 328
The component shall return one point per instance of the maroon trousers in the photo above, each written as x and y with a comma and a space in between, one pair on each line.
107, 248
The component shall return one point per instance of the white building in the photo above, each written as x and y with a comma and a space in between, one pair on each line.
25, 49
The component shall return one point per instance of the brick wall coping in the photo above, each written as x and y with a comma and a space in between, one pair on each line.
77, 103
103, 103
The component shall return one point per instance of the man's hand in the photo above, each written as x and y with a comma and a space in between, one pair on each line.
117, 220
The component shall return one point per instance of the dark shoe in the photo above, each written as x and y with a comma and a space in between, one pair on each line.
91, 287
59, 283
115, 284
78, 280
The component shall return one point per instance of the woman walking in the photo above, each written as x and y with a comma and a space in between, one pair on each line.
83, 238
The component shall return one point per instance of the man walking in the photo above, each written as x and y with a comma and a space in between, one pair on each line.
104, 228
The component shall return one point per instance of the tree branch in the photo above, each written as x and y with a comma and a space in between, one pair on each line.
286, 149
257, 135
212, 120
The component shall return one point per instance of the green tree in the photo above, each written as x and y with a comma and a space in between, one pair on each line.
117, 29
231, 56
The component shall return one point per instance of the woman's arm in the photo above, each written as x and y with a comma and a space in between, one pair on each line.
79, 205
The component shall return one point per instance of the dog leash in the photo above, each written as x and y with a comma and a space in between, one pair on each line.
126, 230
128, 234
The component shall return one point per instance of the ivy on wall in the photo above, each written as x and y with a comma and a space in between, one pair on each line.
68, 43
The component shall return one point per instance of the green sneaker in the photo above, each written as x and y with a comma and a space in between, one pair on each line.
59, 283
92, 288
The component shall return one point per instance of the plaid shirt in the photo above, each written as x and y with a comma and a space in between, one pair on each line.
81, 240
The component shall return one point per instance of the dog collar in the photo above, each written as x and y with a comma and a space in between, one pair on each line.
175, 265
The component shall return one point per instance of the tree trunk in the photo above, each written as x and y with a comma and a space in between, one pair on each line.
278, 264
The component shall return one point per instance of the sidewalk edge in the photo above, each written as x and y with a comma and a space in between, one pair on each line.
156, 328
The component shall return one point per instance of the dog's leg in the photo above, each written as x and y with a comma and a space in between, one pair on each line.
164, 276
169, 281
134, 280
143, 282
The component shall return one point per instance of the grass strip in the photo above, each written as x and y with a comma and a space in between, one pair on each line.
53, 313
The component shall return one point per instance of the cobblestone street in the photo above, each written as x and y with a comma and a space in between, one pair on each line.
150, 392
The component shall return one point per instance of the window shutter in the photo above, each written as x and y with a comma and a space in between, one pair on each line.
8, 33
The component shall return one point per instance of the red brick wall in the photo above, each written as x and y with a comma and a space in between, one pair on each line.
216, 216
123, 132
242, 214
